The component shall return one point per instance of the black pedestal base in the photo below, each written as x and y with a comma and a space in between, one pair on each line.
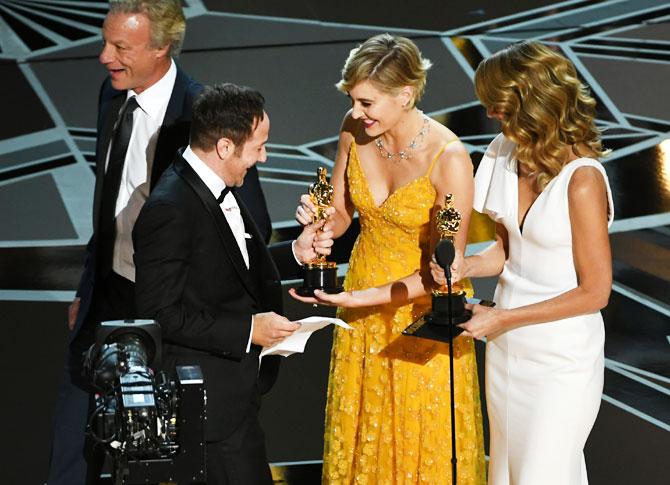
319, 278
435, 325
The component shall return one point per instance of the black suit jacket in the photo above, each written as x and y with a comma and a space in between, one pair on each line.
191, 277
174, 133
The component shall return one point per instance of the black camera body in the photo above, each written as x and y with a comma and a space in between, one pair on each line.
151, 426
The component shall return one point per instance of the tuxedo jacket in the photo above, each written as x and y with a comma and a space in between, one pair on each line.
191, 278
174, 133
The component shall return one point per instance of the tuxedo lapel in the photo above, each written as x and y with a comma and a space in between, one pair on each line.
108, 116
225, 233
262, 266
264, 260
175, 106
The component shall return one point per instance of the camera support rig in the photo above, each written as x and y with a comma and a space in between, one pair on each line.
187, 464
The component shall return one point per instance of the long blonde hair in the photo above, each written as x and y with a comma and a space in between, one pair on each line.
545, 107
390, 62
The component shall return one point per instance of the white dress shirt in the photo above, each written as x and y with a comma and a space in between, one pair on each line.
229, 207
136, 175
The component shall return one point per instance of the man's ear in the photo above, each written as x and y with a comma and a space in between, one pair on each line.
163, 51
225, 148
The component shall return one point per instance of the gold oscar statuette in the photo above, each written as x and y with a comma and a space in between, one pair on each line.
448, 309
448, 223
319, 273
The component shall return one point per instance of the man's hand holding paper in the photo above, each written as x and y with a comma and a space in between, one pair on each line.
297, 340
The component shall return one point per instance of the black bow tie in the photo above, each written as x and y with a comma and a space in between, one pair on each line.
224, 192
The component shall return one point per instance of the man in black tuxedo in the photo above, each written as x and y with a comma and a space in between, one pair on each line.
205, 274
144, 115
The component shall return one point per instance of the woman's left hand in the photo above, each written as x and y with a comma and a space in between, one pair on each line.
345, 299
485, 322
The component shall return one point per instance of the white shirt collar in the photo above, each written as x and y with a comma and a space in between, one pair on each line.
213, 182
155, 98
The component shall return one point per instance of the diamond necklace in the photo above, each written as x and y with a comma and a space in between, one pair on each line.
407, 153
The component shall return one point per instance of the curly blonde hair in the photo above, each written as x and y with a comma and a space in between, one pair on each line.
545, 107
390, 62
166, 20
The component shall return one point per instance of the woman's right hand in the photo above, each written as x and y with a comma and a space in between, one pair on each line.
459, 267
458, 270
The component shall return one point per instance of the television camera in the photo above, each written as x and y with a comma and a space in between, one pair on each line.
150, 424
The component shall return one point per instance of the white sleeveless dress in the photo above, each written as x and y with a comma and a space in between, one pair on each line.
543, 382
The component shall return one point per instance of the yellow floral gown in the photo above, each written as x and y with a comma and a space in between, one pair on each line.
388, 419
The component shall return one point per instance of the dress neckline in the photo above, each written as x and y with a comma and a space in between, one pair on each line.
402, 187
520, 226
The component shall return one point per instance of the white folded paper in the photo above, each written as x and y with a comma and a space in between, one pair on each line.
296, 342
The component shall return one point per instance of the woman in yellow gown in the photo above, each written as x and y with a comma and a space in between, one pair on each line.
388, 415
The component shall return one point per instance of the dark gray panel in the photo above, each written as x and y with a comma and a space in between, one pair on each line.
658, 31
86, 145
216, 32
635, 92
624, 449
33, 209
89, 50
419, 14
577, 21
282, 198
73, 86
290, 164
20, 102
12, 159
298, 81
636, 335
448, 85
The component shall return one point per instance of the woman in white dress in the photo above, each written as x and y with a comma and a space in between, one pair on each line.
539, 181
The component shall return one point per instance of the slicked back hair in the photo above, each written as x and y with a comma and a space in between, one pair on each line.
225, 111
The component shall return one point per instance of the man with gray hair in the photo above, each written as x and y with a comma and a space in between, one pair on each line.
144, 115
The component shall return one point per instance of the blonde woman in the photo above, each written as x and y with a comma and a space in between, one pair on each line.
387, 419
549, 196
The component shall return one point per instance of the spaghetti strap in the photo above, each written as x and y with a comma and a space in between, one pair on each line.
432, 164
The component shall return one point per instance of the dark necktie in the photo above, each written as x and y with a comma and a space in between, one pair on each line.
111, 183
